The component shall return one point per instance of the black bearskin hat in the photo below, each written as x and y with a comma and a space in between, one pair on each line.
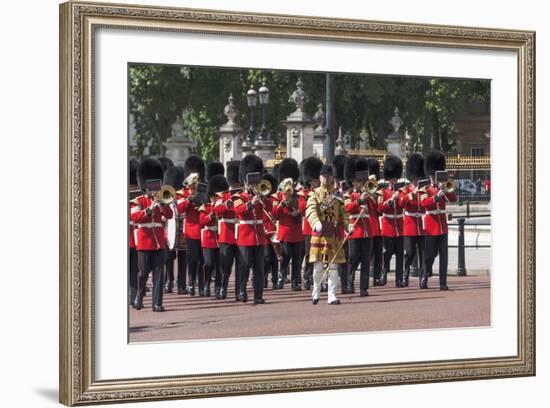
232, 168
310, 169
374, 167
166, 163
415, 166
149, 169
250, 164
339, 163
269, 177
433, 162
133, 172
393, 167
217, 183
213, 169
194, 164
289, 169
174, 177
353, 165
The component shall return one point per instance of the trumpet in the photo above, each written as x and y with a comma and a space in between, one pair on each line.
166, 194
449, 186
371, 185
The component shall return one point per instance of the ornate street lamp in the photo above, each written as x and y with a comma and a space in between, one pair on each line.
264, 100
251, 99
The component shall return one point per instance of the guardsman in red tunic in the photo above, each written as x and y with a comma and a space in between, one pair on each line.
410, 201
310, 169
209, 235
133, 258
189, 207
392, 219
433, 200
273, 247
374, 220
229, 252
341, 186
251, 238
289, 223
359, 205
174, 177
146, 212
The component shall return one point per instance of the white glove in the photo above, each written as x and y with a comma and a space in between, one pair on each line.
351, 228
318, 227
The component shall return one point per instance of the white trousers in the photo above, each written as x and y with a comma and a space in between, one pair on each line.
318, 268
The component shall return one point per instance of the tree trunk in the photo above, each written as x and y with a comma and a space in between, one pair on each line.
380, 135
445, 145
427, 136
436, 142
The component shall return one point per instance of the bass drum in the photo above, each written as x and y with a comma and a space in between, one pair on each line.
171, 229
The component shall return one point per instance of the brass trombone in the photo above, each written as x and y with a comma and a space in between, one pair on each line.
166, 195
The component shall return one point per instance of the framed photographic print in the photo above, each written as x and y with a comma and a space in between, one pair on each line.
266, 203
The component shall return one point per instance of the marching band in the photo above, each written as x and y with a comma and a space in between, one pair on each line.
309, 224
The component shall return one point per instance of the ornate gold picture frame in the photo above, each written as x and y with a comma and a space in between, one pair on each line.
78, 25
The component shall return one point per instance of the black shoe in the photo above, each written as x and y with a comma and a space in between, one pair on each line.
168, 290
444, 287
307, 285
243, 297
138, 303
287, 280
192, 290
206, 291
350, 289
335, 302
274, 286
158, 308
324, 287
223, 293
378, 282
315, 301
296, 288
346, 291
364, 293
423, 285
280, 285
398, 284
259, 301
182, 292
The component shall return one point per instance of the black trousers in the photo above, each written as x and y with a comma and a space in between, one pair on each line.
211, 266
376, 258
394, 246
271, 265
151, 261
182, 269
229, 255
292, 251
360, 253
308, 269
434, 245
414, 246
169, 269
343, 269
252, 257
133, 273
195, 262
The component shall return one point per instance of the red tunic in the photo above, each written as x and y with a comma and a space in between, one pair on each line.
435, 220
191, 225
131, 237
392, 217
363, 227
413, 213
151, 234
226, 219
270, 228
289, 227
209, 224
302, 201
250, 229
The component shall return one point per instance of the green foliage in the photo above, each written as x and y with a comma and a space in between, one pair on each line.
364, 104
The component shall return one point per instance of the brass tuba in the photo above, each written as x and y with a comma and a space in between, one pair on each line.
371, 185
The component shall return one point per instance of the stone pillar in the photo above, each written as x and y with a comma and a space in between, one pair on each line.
231, 135
396, 140
178, 147
299, 127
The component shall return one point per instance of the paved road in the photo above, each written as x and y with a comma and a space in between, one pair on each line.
467, 304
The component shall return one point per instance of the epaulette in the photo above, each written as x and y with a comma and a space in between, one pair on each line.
202, 208
237, 195
135, 201
219, 194
302, 193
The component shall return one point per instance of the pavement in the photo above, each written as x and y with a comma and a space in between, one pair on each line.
285, 312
